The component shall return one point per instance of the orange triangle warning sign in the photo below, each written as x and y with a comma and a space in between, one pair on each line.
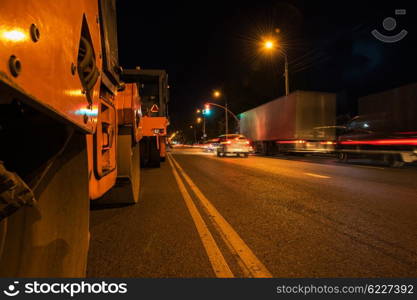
154, 108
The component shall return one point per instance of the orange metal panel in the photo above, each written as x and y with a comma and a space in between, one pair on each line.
102, 147
98, 187
105, 140
162, 146
129, 109
45, 75
148, 125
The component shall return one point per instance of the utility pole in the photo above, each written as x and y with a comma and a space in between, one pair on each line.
226, 116
227, 111
271, 45
218, 94
195, 134
204, 128
193, 127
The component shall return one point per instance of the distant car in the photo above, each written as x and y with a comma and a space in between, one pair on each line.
211, 145
233, 144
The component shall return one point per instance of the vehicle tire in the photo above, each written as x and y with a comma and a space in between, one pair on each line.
144, 152
51, 239
398, 164
155, 158
395, 161
246, 155
343, 157
126, 190
150, 157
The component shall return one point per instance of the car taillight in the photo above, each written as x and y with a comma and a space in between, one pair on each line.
385, 142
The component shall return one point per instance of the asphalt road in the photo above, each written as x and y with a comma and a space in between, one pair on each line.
261, 217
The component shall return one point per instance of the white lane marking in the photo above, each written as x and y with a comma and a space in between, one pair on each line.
216, 258
249, 259
317, 175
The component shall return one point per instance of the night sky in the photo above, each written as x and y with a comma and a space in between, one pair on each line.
206, 45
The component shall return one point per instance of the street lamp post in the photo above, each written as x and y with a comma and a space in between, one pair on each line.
270, 45
287, 84
218, 94
199, 119
195, 133
226, 116
204, 128
226, 109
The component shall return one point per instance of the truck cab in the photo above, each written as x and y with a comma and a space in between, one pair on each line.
153, 90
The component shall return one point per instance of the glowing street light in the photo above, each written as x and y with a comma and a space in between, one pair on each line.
270, 45
217, 94
203, 119
198, 111
195, 133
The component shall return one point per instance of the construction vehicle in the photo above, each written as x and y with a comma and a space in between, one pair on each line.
154, 93
69, 133
385, 129
302, 122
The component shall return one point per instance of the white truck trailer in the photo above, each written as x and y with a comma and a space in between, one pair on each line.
302, 122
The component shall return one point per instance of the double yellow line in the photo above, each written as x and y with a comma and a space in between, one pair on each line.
251, 266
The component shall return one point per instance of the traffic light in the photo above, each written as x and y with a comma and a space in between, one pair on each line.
206, 110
